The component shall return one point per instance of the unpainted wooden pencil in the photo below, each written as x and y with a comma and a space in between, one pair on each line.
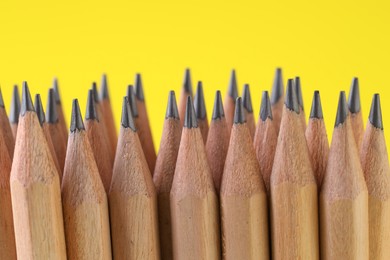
356, 113
14, 111
230, 100
84, 200
163, 174
60, 111
247, 104
35, 191
200, 110
277, 98
132, 197
298, 90
186, 91
294, 201
243, 197
375, 164
6, 126
343, 198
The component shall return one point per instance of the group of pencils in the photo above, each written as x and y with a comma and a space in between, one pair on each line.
230, 189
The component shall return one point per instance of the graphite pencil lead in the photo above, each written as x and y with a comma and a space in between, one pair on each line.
342, 110
39, 109
15, 106
298, 90
91, 113
95, 92
239, 113
187, 83
316, 108
127, 118
218, 112
246, 99
139, 91
27, 104
56, 91
190, 116
291, 101
277, 88
172, 111
1, 99
376, 112
232, 90
104, 88
51, 109
76, 120
199, 103
354, 96
265, 108
132, 101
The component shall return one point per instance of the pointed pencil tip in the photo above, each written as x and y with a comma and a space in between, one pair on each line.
172, 111
76, 120
233, 89
91, 114
354, 97
187, 83
51, 108
316, 107
376, 112
190, 116
132, 101
56, 91
265, 108
199, 103
277, 87
291, 101
27, 104
139, 91
104, 88
95, 92
39, 109
246, 99
218, 112
127, 117
342, 109
239, 113
1, 99
298, 90
15, 106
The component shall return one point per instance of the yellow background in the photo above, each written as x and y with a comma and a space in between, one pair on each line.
326, 43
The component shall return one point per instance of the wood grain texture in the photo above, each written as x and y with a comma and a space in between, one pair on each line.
59, 143
110, 124
182, 104
104, 131
229, 107
14, 129
250, 122
7, 132
203, 125
62, 122
46, 133
277, 111
357, 128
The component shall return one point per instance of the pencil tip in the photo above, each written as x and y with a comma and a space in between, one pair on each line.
376, 112
232, 90
91, 114
104, 88
27, 104
342, 110
56, 91
246, 99
291, 101
15, 106
132, 101
187, 84
239, 113
277, 87
76, 121
199, 103
298, 90
354, 96
190, 116
127, 118
172, 111
1, 99
139, 92
39, 109
265, 108
316, 107
51, 109
95, 92
218, 112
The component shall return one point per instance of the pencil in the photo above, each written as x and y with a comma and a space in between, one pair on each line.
60, 111
375, 164
277, 98
54, 128
265, 140
243, 197
298, 90
217, 142
343, 197
356, 114
35, 191
317, 139
143, 126
247, 104
46, 132
164, 171
98, 141
6, 126
132, 197
185, 92
14, 110
194, 203
200, 110
230, 100
294, 203
108, 114
84, 201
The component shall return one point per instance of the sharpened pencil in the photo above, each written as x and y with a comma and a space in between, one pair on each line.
230, 100
298, 90
14, 110
6, 126
277, 98
186, 91
200, 110
247, 104
60, 111
356, 113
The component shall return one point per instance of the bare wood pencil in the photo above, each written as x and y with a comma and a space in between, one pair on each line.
356, 113
186, 91
132, 197
230, 100
84, 200
247, 104
6, 126
298, 90
243, 197
201, 112
35, 191
163, 174
60, 111
14, 110
277, 98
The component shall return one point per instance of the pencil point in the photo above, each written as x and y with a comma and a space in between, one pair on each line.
187, 84
232, 90
91, 114
39, 109
1, 99
51, 109
354, 96
127, 118
104, 88
56, 91
246, 99
15, 106
239, 113
172, 111
132, 101
27, 104
277, 88
95, 92
342, 110
265, 108
298, 90
190, 116
199, 103
76, 120
139, 92
316, 108
376, 112
291, 101
218, 112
